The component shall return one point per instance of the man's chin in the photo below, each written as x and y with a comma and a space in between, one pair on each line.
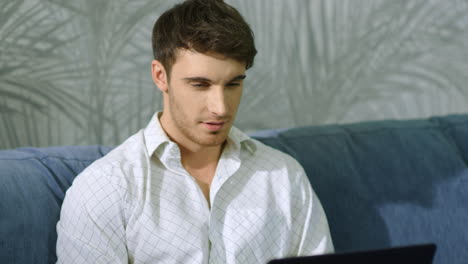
213, 139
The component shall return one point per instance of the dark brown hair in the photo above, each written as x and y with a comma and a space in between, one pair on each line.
202, 26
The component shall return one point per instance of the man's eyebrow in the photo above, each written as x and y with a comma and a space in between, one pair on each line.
203, 79
196, 79
238, 78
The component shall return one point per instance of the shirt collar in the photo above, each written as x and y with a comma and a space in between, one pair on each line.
240, 139
154, 134
155, 137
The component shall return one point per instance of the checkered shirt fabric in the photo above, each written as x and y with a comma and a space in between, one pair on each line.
138, 204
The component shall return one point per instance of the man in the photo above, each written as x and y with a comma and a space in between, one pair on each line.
190, 187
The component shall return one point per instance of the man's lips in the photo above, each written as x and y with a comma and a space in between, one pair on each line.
214, 125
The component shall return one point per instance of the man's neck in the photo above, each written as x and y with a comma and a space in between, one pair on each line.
200, 158
199, 161
202, 165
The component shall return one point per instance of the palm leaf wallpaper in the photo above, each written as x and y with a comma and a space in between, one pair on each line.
78, 72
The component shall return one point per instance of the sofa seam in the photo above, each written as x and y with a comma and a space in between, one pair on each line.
345, 128
48, 157
347, 131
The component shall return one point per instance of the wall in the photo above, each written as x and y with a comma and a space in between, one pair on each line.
78, 72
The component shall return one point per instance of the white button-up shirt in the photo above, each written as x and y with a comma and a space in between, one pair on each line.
138, 204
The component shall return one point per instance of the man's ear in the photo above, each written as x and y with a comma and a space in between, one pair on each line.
159, 75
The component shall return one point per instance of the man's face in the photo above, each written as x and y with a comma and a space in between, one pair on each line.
203, 94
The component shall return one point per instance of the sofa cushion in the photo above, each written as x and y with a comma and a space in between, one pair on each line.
383, 183
33, 185
388, 183
456, 129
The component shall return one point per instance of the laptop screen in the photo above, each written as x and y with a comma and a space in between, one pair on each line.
417, 254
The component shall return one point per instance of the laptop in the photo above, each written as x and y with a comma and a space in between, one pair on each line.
415, 254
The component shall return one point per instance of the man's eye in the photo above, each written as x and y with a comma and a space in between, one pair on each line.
233, 84
199, 85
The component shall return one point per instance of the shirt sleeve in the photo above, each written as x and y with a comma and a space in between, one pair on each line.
92, 222
311, 225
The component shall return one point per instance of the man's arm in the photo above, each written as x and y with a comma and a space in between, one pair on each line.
92, 222
311, 225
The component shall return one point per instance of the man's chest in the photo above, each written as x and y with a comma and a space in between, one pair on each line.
175, 217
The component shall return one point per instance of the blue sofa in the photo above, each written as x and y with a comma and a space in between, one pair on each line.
382, 184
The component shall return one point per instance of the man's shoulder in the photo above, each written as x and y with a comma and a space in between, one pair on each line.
128, 156
262, 152
273, 157
277, 167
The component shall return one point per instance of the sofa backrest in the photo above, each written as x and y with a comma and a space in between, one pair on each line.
383, 183
33, 182
388, 183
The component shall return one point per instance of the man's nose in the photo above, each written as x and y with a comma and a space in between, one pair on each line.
217, 102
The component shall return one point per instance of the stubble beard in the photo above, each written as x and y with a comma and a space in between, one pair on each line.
192, 131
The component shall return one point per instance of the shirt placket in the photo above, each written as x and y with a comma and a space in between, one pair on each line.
228, 165
170, 157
